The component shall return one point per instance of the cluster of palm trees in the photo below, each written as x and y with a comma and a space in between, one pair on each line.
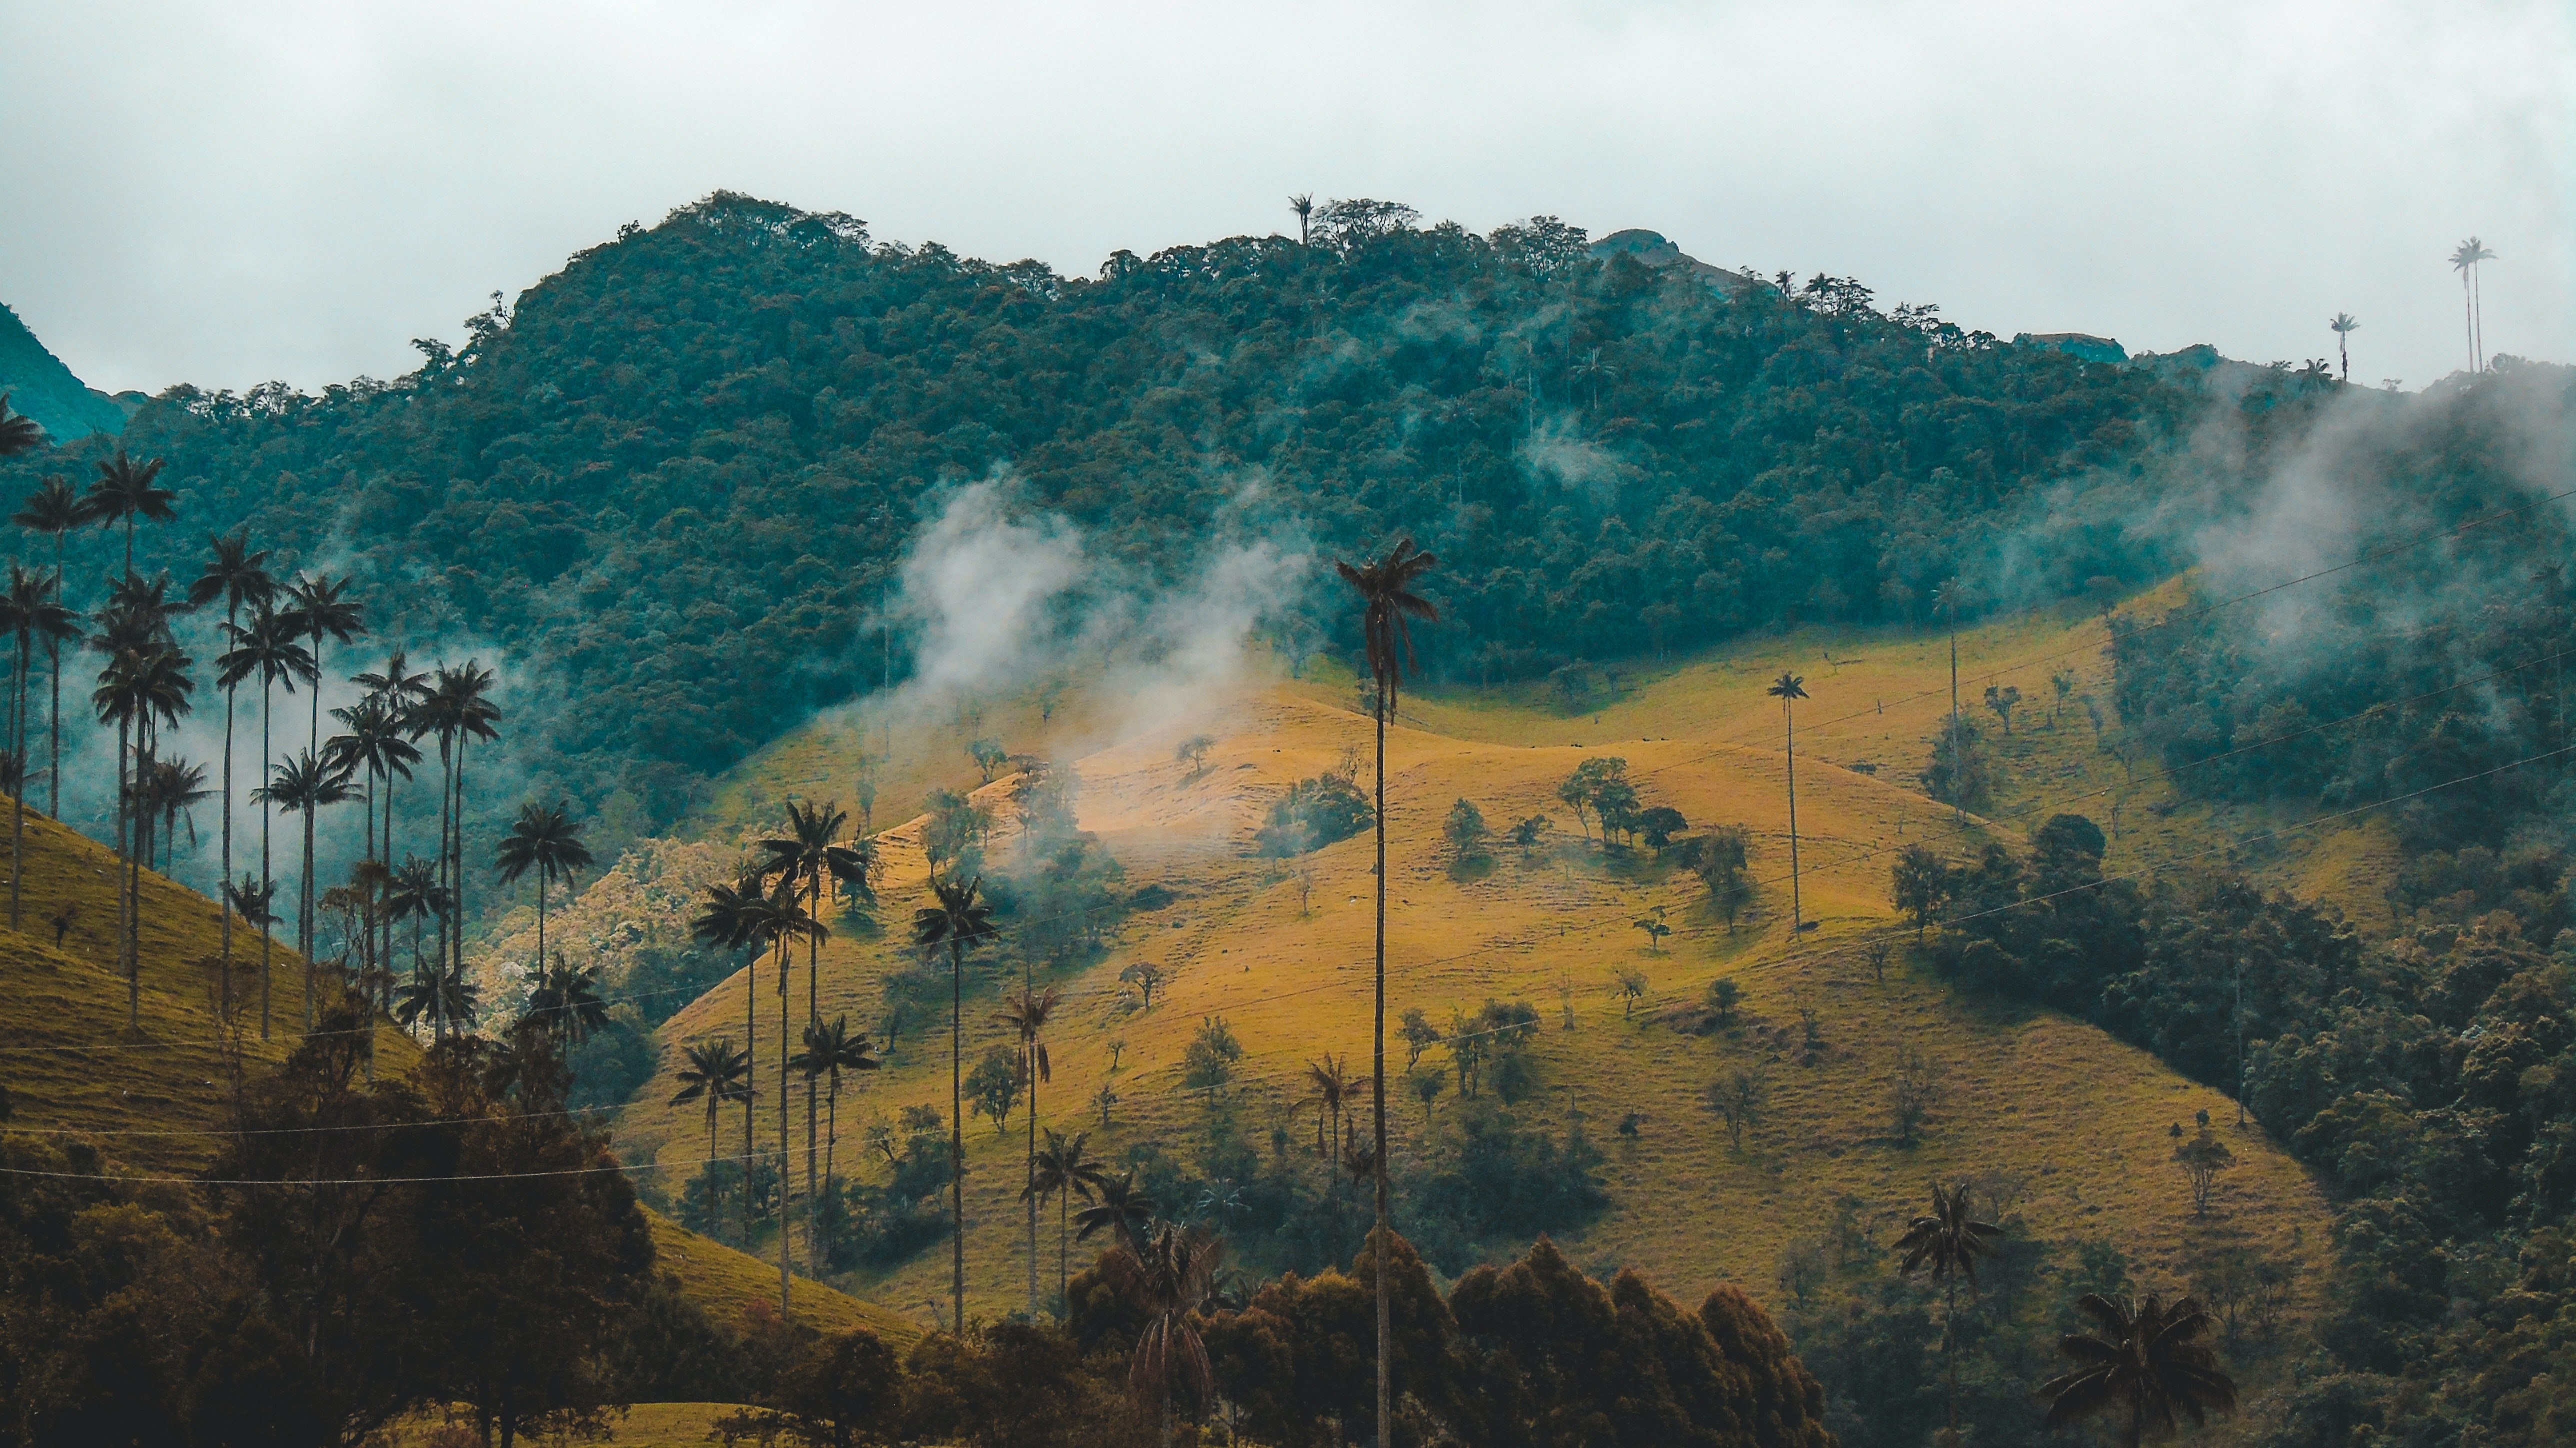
777, 902
274, 633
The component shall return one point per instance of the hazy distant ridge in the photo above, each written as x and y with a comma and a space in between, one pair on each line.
40, 386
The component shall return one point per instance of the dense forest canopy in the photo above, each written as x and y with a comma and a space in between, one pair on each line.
694, 456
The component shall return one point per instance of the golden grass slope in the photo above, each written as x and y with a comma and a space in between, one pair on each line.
156, 1103
2067, 1120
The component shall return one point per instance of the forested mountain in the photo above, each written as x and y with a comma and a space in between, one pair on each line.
40, 387
693, 457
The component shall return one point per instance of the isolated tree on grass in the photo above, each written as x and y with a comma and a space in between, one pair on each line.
1946, 1243
1387, 604
2148, 1362
1789, 689
1720, 858
959, 921
1921, 885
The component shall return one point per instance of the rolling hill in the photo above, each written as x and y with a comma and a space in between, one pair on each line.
2056, 1117
156, 1103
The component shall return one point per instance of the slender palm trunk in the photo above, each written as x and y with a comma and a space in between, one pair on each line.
2478, 308
1385, 1316
1797, 910
223, 900
1064, 1252
814, 1019
786, 1162
750, 1104
1950, 1350
1029, 1198
1958, 765
2469, 318
831, 1150
268, 916
54, 652
18, 791
125, 864
311, 807
957, 1124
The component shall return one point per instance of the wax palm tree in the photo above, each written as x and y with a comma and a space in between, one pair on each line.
270, 649
1333, 1088
1028, 1015
237, 575
1387, 605
812, 852
1122, 1211
125, 490
1789, 689
2343, 326
253, 902
458, 709
18, 432
567, 1004
831, 1051
322, 608
177, 788
1304, 205
1064, 1169
1595, 370
544, 839
1949, 600
2465, 262
375, 747
32, 608
2151, 1361
140, 692
54, 511
412, 893
1171, 1277
1946, 1243
306, 784
717, 1074
402, 693
960, 921
756, 916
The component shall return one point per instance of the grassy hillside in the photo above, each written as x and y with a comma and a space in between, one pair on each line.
156, 1102
2040, 1107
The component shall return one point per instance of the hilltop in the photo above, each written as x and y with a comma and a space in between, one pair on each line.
41, 387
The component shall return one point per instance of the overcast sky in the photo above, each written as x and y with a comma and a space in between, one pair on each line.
228, 194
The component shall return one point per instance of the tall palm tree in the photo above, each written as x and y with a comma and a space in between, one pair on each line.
1387, 605
32, 608
2343, 327
1946, 1242
322, 607
376, 747
2152, 1360
544, 839
1123, 1211
143, 688
18, 432
1171, 1276
411, 893
812, 852
1948, 601
1304, 205
237, 575
177, 788
270, 649
125, 490
55, 510
1789, 689
831, 1051
2472, 303
306, 784
1333, 1089
755, 916
459, 710
959, 921
1064, 1169
402, 692
1028, 1015
717, 1074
